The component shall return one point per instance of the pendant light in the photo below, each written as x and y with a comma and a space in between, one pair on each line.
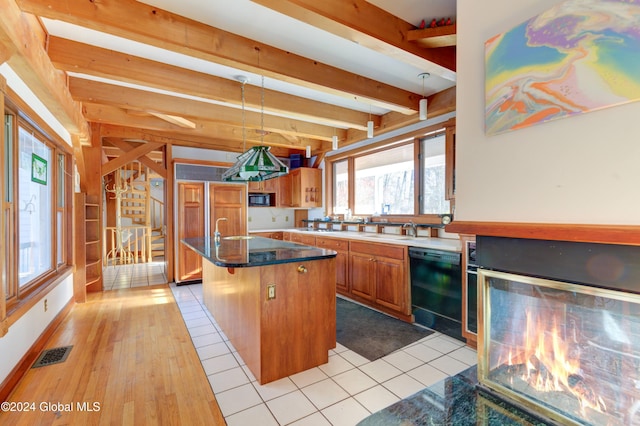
423, 101
370, 125
334, 142
256, 164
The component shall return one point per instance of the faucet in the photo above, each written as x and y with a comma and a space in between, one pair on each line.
413, 230
217, 235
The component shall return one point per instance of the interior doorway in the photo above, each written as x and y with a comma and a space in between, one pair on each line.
134, 275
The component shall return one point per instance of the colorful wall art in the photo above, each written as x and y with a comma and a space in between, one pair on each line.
579, 56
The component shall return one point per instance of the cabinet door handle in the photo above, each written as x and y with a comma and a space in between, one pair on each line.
302, 269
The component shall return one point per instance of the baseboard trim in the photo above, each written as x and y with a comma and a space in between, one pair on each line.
32, 354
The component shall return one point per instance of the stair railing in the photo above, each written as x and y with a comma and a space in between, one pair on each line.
134, 241
157, 213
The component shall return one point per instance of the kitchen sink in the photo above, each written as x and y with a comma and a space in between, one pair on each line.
238, 237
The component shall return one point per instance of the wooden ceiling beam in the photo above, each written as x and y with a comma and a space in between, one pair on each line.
72, 56
228, 138
145, 159
153, 26
31, 63
130, 156
112, 151
194, 141
368, 25
438, 104
197, 111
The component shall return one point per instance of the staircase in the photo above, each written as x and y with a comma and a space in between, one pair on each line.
142, 209
158, 228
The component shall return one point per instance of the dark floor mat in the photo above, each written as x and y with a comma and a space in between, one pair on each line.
372, 334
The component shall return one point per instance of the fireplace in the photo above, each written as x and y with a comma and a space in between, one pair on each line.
559, 328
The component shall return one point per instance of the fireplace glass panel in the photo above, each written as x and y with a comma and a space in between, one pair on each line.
570, 352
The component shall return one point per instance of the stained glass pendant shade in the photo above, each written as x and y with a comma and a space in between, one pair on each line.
256, 164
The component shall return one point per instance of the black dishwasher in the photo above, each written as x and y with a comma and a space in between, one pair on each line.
436, 290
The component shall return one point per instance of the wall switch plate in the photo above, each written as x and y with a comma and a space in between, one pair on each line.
271, 291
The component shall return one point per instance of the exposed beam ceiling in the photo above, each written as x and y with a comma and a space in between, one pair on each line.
167, 69
156, 27
359, 21
82, 58
21, 37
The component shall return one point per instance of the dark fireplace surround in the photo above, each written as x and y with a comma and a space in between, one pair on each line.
559, 328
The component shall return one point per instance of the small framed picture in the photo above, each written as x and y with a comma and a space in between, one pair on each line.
38, 169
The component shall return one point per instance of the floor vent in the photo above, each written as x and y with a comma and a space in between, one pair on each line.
52, 356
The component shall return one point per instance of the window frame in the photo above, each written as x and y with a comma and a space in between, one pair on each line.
19, 299
414, 138
352, 174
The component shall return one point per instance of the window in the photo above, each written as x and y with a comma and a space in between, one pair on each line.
60, 210
433, 166
340, 186
412, 175
384, 182
35, 194
7, 201
35, 215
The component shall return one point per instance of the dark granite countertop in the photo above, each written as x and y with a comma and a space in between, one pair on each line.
254, 251
454, 401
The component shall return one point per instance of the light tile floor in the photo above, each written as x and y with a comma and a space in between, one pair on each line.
342, 392
133, 275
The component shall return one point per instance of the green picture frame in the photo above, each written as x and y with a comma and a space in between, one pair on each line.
38, 169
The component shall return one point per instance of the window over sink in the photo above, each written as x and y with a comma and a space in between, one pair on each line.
403, 177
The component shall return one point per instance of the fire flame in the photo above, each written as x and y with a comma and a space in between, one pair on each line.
551, 362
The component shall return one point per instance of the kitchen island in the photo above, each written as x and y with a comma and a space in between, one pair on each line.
274, 300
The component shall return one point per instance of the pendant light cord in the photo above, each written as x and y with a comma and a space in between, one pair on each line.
262, 112
244, 129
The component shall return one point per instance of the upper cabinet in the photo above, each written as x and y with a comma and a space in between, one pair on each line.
270, 185
284, 191
301, 188
306, 187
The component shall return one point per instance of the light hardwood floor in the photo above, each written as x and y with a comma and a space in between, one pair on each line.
132, 355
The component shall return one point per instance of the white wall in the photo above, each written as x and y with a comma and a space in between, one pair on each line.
583, 169
17, 85
269, 218
24, 332
186, 152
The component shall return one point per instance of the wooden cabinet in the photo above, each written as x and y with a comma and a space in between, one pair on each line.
225, 200
307, 240
270, 185
88, 277
378, 274
341, 246
230, 201
277, 235
279, 335
306, 187
362, 269
302, 187
190, 224
374, 274
283, 193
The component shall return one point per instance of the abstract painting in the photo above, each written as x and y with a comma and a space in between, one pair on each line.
579, 56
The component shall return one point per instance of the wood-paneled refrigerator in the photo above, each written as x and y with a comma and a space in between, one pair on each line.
199, 205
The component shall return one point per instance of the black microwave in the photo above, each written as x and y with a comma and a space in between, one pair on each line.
259, 200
